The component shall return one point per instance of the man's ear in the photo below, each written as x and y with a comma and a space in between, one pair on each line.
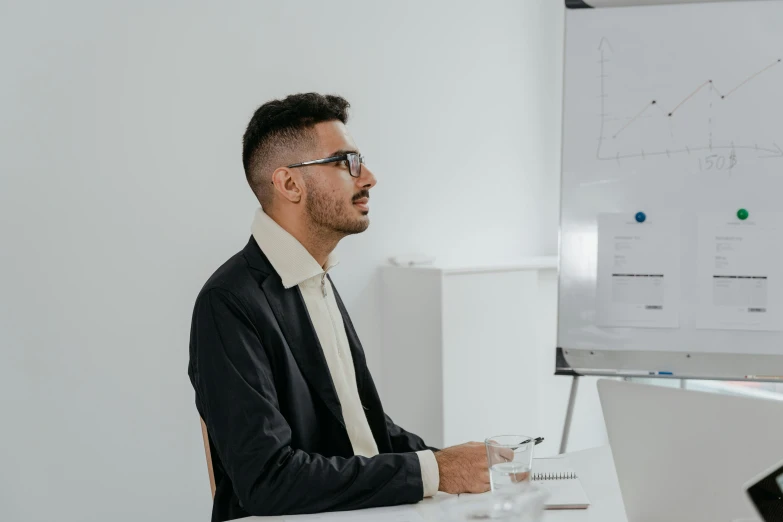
288, 184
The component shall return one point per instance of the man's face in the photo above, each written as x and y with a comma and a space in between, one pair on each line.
335, 200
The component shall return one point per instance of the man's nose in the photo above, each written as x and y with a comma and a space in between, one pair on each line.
366, 179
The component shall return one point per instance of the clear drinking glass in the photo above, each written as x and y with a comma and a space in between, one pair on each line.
521, 504
510, 460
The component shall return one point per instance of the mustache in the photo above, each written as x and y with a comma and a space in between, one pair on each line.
361, 194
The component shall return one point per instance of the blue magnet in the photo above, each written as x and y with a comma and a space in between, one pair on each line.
640, 217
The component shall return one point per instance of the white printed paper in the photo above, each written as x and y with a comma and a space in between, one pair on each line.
638, 271
740, 272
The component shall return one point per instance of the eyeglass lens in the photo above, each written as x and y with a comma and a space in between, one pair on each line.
355, 163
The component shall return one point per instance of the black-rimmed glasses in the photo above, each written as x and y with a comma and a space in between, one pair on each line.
353, 159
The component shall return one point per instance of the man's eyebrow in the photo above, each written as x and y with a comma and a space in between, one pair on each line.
340, 152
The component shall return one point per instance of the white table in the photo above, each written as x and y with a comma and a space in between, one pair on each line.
595, 468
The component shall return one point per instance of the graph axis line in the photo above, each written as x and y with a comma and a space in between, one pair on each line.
773, 153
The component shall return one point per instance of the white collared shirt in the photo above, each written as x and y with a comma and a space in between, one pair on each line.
297, 267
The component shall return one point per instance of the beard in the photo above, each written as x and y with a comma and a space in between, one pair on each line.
330, 212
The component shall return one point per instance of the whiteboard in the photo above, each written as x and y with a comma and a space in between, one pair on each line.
667, 108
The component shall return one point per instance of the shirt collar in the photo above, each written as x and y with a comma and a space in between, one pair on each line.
288, 256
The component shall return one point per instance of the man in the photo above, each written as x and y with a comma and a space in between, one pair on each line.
294, 420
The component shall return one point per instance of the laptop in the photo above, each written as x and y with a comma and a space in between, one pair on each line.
766, 493
686, 456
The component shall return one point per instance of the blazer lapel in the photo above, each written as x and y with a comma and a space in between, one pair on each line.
376, 417
291, 314
357, 352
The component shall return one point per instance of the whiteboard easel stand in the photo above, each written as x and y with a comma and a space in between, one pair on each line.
569, 413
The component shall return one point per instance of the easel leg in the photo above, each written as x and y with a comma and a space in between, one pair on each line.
569, 414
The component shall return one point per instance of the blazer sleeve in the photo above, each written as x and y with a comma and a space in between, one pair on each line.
404, 441
234, 381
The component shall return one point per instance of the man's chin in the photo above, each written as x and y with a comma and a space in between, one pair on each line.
363, 225
357, 226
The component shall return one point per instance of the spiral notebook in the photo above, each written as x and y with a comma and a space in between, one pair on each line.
565, 488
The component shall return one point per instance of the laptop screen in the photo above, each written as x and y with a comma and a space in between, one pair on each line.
767, 496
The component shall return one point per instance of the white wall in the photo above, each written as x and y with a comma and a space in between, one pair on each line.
121, 190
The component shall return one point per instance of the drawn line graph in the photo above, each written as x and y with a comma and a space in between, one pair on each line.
604, 48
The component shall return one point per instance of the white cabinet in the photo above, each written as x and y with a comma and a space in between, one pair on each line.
464, 351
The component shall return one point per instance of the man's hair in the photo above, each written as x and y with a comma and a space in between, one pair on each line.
279, 130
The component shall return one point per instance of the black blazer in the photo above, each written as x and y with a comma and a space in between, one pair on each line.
276, 431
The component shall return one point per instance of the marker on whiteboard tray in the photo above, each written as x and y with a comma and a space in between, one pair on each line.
665, 373
640, 217
633, 373
765, 377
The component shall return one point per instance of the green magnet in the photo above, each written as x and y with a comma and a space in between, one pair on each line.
742, 214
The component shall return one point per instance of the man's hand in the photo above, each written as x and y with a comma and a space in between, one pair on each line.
463, 469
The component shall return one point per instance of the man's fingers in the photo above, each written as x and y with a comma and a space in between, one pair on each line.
480, 488
507, 454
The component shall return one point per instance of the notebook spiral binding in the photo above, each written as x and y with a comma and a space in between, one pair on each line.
554, 476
